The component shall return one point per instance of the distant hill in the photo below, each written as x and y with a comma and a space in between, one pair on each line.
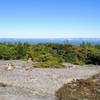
53, 40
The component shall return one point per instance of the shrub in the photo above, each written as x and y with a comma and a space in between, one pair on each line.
93, 57
80, 90
52, 52
48, 61
48, 64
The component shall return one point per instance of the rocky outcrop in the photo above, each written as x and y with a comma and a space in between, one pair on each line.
38, 83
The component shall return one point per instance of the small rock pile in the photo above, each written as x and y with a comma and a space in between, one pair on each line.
9, 67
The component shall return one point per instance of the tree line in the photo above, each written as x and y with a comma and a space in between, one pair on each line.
51, 54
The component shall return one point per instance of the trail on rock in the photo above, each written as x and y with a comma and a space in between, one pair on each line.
38, 83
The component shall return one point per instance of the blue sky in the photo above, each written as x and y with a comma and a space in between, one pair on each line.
50, 18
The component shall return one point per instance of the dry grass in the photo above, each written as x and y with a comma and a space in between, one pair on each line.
81, 90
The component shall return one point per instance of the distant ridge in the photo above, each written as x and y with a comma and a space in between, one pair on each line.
52, 40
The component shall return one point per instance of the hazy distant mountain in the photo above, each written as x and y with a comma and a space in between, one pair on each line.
54, 40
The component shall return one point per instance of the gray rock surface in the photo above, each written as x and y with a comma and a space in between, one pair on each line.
37, 83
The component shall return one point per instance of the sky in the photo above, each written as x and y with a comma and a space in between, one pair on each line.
49, 18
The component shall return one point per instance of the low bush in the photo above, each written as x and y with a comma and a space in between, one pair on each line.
80, 90
48, 64
52, 53
48, 61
